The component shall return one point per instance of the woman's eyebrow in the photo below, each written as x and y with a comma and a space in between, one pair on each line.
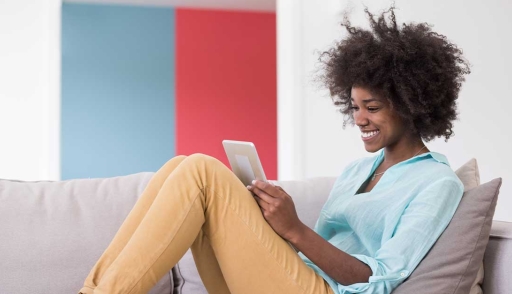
367, 100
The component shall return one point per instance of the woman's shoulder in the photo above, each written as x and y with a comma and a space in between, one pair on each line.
436, 163
435, 168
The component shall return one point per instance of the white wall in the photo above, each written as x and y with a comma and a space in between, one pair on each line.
29, 89
322, 148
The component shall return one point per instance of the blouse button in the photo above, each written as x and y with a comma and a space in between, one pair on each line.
402, 274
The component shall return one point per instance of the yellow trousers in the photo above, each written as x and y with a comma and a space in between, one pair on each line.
197, 202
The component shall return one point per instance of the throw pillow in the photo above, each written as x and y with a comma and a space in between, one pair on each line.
452, 264
470, 177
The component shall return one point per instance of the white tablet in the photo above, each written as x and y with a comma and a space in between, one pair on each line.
244, 161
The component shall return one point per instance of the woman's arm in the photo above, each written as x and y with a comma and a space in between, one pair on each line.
342, 267
278, 209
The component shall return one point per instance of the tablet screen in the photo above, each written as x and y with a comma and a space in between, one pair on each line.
244, 166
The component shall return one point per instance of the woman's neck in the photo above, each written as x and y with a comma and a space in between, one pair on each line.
403, 150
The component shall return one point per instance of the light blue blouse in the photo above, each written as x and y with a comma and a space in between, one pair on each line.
392, 227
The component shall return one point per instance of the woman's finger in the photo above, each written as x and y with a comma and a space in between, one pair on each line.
266, 187
261, 194
262, 204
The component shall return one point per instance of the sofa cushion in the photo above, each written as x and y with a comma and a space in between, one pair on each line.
52, 233
469, 175
452, 264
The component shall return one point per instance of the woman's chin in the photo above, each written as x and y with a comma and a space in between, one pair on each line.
371, 148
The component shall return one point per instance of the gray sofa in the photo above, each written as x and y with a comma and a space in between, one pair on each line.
51, 233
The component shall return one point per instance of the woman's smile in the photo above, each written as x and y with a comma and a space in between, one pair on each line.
369, 135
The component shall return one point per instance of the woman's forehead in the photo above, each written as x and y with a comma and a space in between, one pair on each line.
361, 94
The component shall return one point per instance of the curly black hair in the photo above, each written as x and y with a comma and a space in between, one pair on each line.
419, 71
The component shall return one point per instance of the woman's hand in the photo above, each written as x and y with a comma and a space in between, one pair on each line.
278, 209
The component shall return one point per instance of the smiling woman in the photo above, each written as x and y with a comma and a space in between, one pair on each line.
399, 86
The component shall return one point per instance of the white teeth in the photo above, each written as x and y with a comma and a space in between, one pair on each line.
369, 134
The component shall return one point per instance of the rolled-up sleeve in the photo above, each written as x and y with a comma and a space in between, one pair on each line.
420, 225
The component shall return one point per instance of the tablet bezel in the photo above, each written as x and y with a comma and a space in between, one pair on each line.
233, 148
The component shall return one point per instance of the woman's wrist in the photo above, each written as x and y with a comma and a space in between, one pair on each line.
297, 234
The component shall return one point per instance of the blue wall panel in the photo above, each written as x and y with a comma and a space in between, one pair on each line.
118, 85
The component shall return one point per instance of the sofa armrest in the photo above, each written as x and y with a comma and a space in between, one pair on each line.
498, 259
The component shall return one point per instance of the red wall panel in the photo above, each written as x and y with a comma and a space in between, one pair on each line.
226, 84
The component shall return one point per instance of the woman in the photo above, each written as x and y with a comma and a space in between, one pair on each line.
399, 86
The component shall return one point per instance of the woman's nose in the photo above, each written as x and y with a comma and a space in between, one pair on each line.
360, 119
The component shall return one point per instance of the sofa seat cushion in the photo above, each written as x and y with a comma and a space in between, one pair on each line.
53, 232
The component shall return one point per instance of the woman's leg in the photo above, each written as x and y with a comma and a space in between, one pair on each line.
204, 205
131, 222
208, 265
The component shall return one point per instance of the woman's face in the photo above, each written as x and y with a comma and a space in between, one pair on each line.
380, 126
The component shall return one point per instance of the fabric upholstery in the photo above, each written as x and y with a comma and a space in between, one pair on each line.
52, 233
497, 259
469, 175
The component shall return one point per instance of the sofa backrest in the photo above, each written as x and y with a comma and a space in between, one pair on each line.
309, 196
52, 233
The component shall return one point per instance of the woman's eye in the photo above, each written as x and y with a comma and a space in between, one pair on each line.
353, 108
372, 109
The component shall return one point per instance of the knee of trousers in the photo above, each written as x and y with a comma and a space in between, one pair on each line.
177, 157
200, 159
204, 168
202, 165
